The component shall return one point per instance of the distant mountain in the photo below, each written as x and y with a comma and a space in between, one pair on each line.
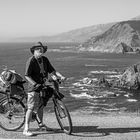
121, 37
136, 18
77, 35
82, 34
116, 37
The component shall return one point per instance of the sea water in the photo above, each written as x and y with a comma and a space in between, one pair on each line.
83, 70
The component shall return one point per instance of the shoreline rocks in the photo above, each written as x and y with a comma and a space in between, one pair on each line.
129, 79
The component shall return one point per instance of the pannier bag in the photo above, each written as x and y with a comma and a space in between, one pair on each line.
11, 81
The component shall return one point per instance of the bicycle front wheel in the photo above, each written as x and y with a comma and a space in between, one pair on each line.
12, 114
63, 116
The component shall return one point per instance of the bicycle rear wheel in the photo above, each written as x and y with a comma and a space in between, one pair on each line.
63, 116
12, 114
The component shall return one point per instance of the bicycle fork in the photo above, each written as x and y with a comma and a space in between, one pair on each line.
61, 111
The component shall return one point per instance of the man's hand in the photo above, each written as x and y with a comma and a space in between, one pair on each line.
37, 87
63, 78
54, 77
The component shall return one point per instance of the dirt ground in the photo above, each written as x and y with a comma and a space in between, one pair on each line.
86, 127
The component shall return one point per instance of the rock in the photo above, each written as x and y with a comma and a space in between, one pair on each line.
87, 81
120, 38
103, 82
122, 47
131, 77
137, 50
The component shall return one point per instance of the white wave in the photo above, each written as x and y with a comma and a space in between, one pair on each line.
111, 109
107, 92
78, 84
93, 107
93, 65
94, 79
82, 95
66, 47
81, 87
103, 108
62, 87
102, 104
70, 78
81, 90
54, 50
114, 76
104, 72
127, 95
131, 100
70, 87
86, 80
61, 50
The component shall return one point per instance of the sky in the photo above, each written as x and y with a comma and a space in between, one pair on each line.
23, 18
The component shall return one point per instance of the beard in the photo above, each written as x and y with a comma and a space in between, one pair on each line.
38, 55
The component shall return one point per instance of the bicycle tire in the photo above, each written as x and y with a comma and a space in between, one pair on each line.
15, 120
61, 112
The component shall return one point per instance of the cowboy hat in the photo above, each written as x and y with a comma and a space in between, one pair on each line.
39, 44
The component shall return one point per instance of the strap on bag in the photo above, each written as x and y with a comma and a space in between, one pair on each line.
60, 95
41, 65
42, 70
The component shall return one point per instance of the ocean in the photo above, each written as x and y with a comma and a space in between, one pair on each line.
83, 70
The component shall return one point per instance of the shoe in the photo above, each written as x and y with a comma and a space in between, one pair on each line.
44, 127
27, 133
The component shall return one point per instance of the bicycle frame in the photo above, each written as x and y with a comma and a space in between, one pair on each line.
58, 107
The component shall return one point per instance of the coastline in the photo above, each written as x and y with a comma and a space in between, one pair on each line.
87, 124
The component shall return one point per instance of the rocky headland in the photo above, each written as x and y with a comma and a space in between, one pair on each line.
122, 37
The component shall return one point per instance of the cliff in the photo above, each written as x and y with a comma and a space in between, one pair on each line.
121, 37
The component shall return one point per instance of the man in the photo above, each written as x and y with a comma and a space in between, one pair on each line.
37, 69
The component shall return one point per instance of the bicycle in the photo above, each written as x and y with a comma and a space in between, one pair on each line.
13, 110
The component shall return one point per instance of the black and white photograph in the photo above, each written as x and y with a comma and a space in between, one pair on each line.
70, 69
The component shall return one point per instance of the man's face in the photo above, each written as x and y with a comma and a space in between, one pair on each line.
38, 52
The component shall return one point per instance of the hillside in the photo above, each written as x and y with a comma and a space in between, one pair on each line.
121, 37
82, 34
77, 35
111, 37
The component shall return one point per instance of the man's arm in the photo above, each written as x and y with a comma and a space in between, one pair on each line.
30, 80
35, 86
28, 71
57, 75
60, 75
